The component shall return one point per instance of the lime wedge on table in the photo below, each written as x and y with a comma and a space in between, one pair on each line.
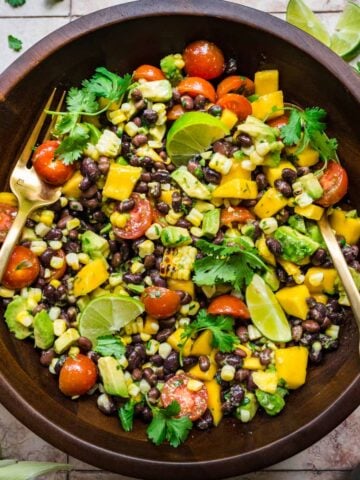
300, 15
107, 314
266, 312
346, 39
191, 134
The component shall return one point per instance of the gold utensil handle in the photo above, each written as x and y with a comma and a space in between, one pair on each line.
341, 267
12, 237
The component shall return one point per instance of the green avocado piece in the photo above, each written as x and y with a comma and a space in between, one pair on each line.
272, 403
113, 377
175, 236
43, 330
19, 304
156, 90
211, 223
247, 409
295, 246
94, 245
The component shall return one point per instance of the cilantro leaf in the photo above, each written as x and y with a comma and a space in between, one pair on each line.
71, 148
177, 430
290, 134
107, 84
221, 327
16, 3
313, 119
325, 146
110, 346
65, 124
81, 101
126, 415
14, 43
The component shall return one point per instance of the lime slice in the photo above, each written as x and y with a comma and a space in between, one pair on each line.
300, 15
191, 134
346, 39
107, 314
266, 312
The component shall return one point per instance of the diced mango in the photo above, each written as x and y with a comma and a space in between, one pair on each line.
307, 158
252, 363
121, 181
90, 277
237, 188
266, 381
229, 118
184, 285
312, 212
264, 252
166, 196
8, 198
175, 341
214, 400
320, 298
348, 227
236, 171
274, 173
203, 344
293, 300
289, 267
266, 81
263, 108
196, 372
321, 280
71, 187
270, 203
291, 364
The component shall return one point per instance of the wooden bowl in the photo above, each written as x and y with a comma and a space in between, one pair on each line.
121, 38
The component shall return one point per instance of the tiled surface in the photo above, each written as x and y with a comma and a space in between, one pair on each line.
333, 457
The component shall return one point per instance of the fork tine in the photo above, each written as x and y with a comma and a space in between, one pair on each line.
54, 118
27, 151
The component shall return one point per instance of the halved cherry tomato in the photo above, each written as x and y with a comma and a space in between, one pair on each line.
149, 73
22, 269
175, 112
7, 215
160, 302
334, 182
49, 168
228, 305
139, 221
278, 122
192, 404
197, 86
238, 104
235, 84
57, 273
235, 214
203, 59
77, 375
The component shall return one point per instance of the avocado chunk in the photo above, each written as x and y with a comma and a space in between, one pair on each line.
66, 340
156, 91
298, 223
295, 246
113, 377
247, 409
272, 403
175, 237
308, 184
18, 305
211, 223
190, 184
255, 128
94, 245
343, 298
314, 233
43, 330
271, 278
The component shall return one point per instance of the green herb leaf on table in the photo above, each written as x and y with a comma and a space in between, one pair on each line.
110, 346
126, 415
16, 3
14, 43
166, 426
71, 147
221, 327
107, 84
10, 469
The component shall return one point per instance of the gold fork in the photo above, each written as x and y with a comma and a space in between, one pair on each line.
29, 189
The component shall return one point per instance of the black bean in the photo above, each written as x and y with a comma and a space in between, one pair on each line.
146, 414
141, 187
199, 102
38, 308
134, 361
289, 175
136, 94
163, 207
63, 221
302, 171
153, 395
221, 147
235, 395
139, 139
250, 384
125, 150
265, 356
73, 234
155, 190
132, 278
211, 176
204, 363
231, 66
47, 357
186, 298
147, 163
187, 201
193, 165
243, 140
219, 358
318, 312
274, 246
355, 264
72, 247
91, 204
84, 343
59, 364
46, 257
150, 116
308, 339
187, 102
283, 187
161, 176
90, 192
189, 361
171, 362
349, 253
315, 356
103, 165
311, 326
89, 169
85, 184
137, 121
242, 333
54, 234
227, 408
150, 376
176, 201
241, 375
126, 205
296, 332
146, 177
215, 110
233, 360
49, 293
164, 334
149, 261
261, 181
106, 404
157, 280
167, 322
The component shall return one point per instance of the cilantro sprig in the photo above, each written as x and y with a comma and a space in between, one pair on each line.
234, 264
15, 3
110, 346
126, 415
14, 43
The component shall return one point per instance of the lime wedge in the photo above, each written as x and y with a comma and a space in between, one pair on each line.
191, 134
266, 312
346, 39
107, 314
300, 15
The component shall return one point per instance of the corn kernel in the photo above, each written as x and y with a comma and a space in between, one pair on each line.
248, 165
139, 324
145, 336
38, 247
72, 224
262, 148
227, 373
129, 329
154, 231
115, 279
31, 302
137, 267
59, 326
126, 339
194, 385
91, 151
83, 258
47, 217
195, 217
123, 362
72, 260
55, 244
63, 202
152, 347
299, 278
41, 229
73, 351
146, 247
184, 321
55, 283
164, 350
131, 129
197, 232
220, 163
116, 117
47, 273
316, 279
53, 365
56, 262
118, 219
133, 390
173, 217
54, 313
25, 318
6, 292
268, 225
144, 386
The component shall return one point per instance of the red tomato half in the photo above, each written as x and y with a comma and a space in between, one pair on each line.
77, 375
7, 215
235, 214
140, 219
192, 404
228, 305
22, 269
149, 73
235, 84
334, 182
197, 86
278, 122
238, 104
203, 59
50, 169
160, 302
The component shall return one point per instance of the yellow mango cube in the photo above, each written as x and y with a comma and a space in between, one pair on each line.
237, 188
321, 280
266, 81
245, 349
236, 171
166, 196
184, 285
71, 187
289, 267
252, 363
264, 252
229, 118
291, 364
266, 381
214, 400
175, 341
348, 227
263, 108
197, 373
307, 158
320, 298
203, 344
121, 181
8, 198
312, 212
293, 300
90, 277
274, 173
270, 203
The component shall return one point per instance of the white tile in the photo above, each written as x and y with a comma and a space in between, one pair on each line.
29, 30
82, 7
36, 8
